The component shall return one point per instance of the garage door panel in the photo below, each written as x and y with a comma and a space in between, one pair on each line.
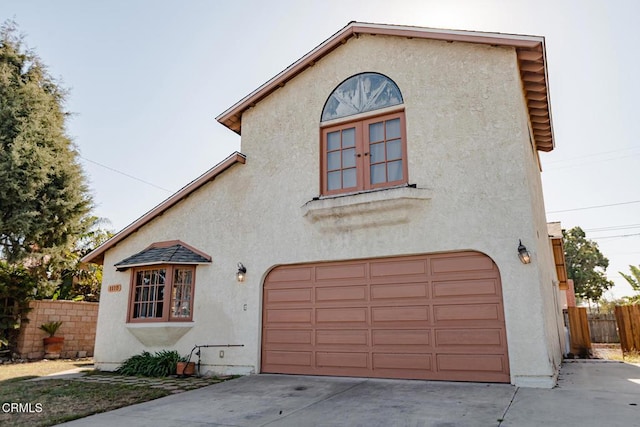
399, 314
393, 291
402, 361
400, 337
466, 312
470, 363
397, 269
447, 264
288, 358
288, 336
469, 337
341, 293
289, 274
294, 316
425, 317
466, 288
343, 337
341, 272
288, 295
342, 360
351, 315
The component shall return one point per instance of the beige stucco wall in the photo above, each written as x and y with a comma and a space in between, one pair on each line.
478, 188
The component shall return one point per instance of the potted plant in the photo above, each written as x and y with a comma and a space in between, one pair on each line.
185, 368
52, 344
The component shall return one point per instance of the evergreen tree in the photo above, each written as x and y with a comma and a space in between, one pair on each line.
43, 193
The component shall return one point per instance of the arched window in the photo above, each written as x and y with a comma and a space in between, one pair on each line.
359, 94
363, 136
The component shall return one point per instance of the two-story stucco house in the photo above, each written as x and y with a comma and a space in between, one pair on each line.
386, 181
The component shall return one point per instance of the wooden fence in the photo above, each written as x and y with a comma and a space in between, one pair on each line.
579, 331
628, 318
603, 328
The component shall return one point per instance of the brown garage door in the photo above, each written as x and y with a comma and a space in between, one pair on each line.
425, 317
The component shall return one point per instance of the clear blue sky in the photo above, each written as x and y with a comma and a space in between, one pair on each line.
148, 77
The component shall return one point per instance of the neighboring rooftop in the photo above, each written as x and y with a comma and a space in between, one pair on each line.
554, 229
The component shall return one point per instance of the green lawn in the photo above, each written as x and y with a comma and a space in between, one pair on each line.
50, 402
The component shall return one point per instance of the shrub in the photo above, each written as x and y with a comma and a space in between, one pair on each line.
51, 327
161, 364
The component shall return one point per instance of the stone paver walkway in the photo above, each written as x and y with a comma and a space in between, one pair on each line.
172, 384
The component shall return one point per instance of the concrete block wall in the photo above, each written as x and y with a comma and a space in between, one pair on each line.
78, 328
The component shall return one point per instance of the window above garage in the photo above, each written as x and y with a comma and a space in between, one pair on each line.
363, 138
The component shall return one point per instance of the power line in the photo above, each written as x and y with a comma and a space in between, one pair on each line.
595, 207
615, 227
616, 236
590, 155
578, 164
125, 174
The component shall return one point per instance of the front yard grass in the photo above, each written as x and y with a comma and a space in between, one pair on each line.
49, 402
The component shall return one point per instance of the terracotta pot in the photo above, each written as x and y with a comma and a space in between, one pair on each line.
52, 347
184, 369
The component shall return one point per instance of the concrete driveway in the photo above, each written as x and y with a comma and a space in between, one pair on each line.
588, 394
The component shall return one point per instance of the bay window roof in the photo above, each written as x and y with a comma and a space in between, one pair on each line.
172, 252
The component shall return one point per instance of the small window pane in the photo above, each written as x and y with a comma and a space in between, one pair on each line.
349, 158
181, 295
377, 152
394, 170
376, 132
333, 141
394, 150
393, 129
158, 309
349, 178
349, 138
334, 180
333, 160
378, 174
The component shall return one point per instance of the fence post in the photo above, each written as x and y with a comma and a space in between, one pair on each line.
628, 318
579, 331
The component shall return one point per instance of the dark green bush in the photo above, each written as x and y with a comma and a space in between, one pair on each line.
161, 364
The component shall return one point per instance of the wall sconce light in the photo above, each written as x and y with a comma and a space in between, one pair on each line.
523, 253
242, 271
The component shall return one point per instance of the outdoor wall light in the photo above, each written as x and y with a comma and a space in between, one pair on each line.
523, 253
242, 271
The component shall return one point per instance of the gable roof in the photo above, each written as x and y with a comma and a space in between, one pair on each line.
97, 255
531, 60
171, 252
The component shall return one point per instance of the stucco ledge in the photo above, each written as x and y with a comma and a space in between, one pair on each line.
527, 381
367, 209
159, 334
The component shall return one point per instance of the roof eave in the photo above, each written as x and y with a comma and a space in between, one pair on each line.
524, 45
122, 267
97, 255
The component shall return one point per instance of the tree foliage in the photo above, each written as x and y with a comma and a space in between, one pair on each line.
586, 265
43, 194
634, 281
633, 278
17, 286
79, 280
